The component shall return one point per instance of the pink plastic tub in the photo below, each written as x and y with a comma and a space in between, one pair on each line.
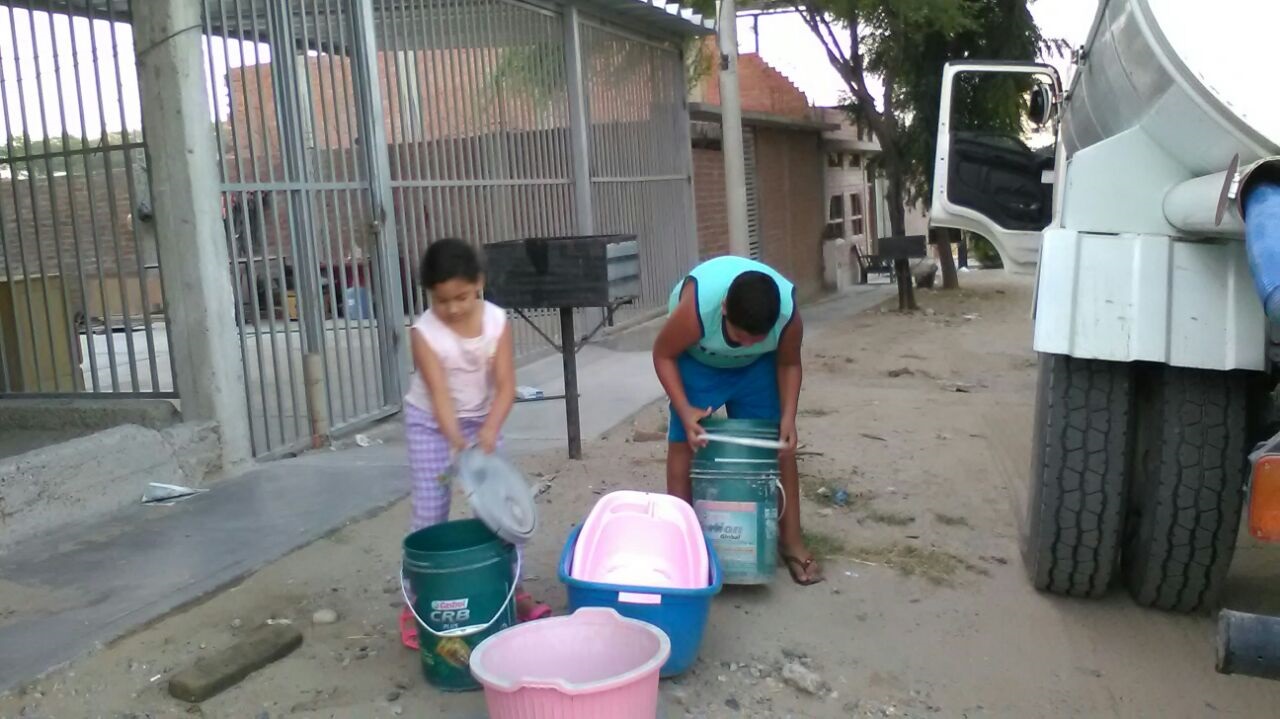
643, 540
591, 664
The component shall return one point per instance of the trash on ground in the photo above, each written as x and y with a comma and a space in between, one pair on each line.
366, 441
841, 498
324, 616
876, 437
166, 494
795, 674
529, 393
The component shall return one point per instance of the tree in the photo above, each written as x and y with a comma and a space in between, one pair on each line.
903, 45
999, 30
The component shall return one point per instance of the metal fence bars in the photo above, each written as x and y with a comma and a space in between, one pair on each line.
291, 100
81, 301
457, 117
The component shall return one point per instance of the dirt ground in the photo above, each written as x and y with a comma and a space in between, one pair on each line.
923, 419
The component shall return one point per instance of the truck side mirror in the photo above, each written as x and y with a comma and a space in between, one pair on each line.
1041, 108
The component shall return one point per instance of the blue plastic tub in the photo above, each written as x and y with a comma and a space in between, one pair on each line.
681, 613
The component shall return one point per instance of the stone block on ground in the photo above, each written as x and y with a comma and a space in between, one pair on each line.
223, 669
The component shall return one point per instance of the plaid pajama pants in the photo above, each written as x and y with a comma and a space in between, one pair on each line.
429, 457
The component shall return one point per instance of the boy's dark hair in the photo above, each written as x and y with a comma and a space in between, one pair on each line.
449, 259
753, 303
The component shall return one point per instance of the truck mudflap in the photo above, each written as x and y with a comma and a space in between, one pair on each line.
1264, 491
1249, 644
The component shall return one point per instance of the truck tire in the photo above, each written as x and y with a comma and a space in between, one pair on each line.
1189, 468
1075, 514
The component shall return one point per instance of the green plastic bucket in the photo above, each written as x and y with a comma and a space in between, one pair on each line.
735, 495
458, 579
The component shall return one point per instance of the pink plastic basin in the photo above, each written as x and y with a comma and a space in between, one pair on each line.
591, 664
642, 540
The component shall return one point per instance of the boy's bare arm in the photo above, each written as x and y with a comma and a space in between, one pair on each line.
682, 330
790, 377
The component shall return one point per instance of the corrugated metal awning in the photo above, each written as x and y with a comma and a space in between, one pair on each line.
656, 14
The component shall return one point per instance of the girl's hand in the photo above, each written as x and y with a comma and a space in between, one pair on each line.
487, 439
457, 444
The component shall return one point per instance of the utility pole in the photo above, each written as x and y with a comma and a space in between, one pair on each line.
735, 169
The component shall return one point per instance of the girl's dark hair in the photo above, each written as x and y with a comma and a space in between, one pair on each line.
449, 259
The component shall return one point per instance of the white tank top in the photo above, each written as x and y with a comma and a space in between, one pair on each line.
467, 361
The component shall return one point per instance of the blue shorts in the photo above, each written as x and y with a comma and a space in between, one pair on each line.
749, 392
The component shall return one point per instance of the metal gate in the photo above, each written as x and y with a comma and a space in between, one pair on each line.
640, 153
460, 110
294, 126
81, 302
477, 121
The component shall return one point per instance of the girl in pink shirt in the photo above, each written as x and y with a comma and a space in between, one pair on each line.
462, 392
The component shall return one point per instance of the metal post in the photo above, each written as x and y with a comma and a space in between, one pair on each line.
193, 252
735, 169
579, 141
584, 213
569, 353
389, 300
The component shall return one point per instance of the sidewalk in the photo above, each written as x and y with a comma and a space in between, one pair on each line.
64, 594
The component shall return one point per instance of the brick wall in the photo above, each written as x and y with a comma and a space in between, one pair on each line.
789, 174
708, 196
762, 87
791, 205
88, 217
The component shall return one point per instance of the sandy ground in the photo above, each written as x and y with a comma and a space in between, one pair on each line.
926, 613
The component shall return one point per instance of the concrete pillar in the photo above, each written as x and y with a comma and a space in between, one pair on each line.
194, 262
735, 168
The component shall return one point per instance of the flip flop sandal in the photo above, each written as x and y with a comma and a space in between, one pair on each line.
803, 564
409, 630
539, 611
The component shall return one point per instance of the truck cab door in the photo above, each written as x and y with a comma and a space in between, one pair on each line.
994, 184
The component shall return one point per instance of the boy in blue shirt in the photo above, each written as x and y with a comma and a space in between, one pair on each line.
732, 339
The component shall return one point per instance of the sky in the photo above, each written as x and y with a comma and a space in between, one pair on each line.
787, 44
39, 72
40, 79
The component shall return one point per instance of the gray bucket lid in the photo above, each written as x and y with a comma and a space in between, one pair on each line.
499, 495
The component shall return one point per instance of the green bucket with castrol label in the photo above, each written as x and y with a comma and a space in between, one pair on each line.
735, 495
459, 578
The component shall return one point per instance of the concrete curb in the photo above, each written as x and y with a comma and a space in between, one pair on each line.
90, 477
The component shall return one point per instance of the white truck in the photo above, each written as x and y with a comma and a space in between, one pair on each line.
1153, 227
